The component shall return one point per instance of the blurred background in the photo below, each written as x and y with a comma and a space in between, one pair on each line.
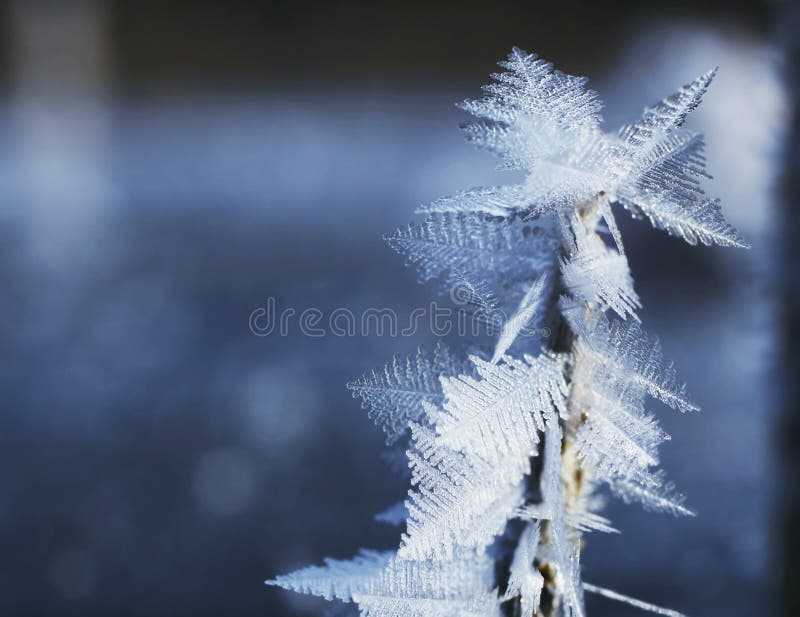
166, 167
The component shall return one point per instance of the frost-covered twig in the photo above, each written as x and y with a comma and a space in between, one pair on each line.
537, 431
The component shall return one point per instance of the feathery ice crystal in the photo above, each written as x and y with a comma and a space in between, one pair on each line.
508, 451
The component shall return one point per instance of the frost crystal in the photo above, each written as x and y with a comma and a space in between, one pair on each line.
447, 244
535, 431
394, 394
531, 305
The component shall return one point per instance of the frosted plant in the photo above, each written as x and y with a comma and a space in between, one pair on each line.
509, 452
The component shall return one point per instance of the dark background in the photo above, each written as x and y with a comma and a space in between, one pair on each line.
165, 167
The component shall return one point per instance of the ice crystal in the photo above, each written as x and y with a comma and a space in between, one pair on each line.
446, 245
524, 580
529, 307
394, 394
337, 579
536, 431
384, 585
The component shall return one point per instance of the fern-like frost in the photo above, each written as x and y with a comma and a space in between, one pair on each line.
543, 428
394, 395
